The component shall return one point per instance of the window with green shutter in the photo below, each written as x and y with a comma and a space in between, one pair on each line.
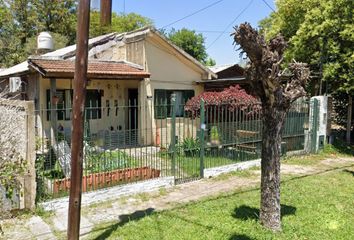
162, 102
93, 104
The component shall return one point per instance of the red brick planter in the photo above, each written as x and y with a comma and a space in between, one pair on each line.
106, 179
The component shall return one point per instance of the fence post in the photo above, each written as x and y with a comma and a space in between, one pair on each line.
313, 125
173, 133
30, 175
202, 144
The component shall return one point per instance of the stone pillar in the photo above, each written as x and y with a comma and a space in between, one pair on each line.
53, 110
29, 181
146, 124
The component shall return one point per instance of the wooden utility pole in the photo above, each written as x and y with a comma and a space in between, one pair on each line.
349, 118
80, 81
106, 12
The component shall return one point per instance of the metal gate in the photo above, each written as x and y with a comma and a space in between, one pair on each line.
187, 143
227, 135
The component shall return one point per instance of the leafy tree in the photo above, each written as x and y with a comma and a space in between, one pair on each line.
120, 23
276, 94
57, 17
210, 62
22, 20
192, 43
321, 33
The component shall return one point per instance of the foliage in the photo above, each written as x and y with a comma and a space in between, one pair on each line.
21, 21
318, 31
102, 161
12, 147
233, 98
120, 23
191, 147
210, 62
192, 43
214, 134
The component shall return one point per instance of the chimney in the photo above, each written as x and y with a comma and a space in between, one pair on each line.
106, 12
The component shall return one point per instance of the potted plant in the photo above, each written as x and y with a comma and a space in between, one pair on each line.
191, 147
214, 136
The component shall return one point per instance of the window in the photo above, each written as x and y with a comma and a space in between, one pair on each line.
93, 104
163, 105
64, 104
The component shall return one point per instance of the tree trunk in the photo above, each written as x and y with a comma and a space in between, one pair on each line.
273, 121
349, 118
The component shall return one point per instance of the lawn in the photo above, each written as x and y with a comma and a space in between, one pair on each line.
318, 206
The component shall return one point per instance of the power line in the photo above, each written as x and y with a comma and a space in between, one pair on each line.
268, 5
211, 31
233, 21
194, 13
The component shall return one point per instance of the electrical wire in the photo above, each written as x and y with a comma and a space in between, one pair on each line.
211, 31
230, 24
268, 5
194, 13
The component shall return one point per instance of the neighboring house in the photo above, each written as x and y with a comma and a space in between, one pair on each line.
140, 68
228, 75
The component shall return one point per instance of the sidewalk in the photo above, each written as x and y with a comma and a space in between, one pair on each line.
121, 209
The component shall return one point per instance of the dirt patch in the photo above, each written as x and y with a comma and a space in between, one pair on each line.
337, 161
296, 169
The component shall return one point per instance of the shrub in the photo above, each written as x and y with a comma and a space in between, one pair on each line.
214, 135
191, 147
233, 98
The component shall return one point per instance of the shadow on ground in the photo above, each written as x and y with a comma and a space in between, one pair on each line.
244, 212
240, 237
349, 171
123, 219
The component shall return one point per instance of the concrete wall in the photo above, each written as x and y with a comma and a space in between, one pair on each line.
25, 196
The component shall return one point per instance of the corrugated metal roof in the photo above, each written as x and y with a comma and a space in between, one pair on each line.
22, 68
69, 52
96, 69
220, 68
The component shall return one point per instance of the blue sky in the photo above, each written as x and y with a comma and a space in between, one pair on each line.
215, 18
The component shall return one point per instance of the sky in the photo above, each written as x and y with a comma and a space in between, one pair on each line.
210, 22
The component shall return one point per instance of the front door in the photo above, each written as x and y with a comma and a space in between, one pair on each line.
133, 116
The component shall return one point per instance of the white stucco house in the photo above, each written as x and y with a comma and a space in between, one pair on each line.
139, 69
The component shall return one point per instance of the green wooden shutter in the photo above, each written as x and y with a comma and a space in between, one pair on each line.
160, 100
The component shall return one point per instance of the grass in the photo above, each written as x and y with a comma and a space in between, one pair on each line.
191, 165
329, 151
248, 173
318, 206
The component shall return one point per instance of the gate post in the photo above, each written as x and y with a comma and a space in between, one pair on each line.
313, 125
202, 145
173, 134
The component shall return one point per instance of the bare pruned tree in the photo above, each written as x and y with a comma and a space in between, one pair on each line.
277, 92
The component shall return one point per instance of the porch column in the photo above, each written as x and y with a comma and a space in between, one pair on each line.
146, 124
53, 110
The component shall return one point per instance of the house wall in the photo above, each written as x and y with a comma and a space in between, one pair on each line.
112, 89
169, 71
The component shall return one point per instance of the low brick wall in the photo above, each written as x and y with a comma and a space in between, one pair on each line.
111, 193
105, 179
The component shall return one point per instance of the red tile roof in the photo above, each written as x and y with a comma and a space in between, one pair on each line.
96, 69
